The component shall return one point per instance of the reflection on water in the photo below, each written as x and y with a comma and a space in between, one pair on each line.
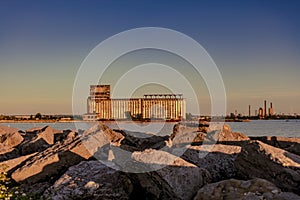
254, 128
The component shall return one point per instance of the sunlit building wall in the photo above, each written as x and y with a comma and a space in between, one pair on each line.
152, 106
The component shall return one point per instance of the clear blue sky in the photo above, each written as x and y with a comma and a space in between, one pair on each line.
255, 44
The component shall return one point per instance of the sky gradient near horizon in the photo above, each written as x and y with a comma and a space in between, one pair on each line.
255, 44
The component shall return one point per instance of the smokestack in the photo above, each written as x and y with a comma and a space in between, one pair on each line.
265, 110
271, 109
249, 110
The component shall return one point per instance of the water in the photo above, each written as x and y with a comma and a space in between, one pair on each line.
25, 126
282, 128
157, 128
253, 128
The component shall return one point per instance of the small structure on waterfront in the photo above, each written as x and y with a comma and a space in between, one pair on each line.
100, 106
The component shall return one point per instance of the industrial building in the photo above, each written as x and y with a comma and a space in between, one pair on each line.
262, 112
100, 106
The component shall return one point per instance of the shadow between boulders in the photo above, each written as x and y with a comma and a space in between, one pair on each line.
13, 153
136, 141
29, 147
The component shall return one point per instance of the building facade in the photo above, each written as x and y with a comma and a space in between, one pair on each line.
100, 106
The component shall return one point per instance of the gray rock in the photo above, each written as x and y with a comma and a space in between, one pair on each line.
151, 185
36, 190
10, 138
183, 136
181, 176
242, 190
231, 138
286, 196
91, 180
8, 165
218, 159
273, 164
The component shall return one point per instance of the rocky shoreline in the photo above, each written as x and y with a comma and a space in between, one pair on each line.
44, 163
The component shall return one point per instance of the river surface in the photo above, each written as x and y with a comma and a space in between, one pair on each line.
283, 128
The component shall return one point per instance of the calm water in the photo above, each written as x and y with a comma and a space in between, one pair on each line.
253, 128
283, 128
158, 128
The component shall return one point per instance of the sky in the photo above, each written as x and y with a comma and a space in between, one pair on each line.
255, 45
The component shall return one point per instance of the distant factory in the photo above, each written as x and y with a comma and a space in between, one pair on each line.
100, 106
263, 112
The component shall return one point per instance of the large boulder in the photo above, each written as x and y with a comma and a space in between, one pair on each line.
186, 135
150, 185
290, 144
261, 160
49, 134
44, 138
91, 180
147, 181
55, 160
183, 136
8, 165
10, 137
181, 176
218, 159
226, 136
242, 190
219, 133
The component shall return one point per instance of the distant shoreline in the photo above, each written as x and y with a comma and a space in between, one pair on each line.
39, 121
